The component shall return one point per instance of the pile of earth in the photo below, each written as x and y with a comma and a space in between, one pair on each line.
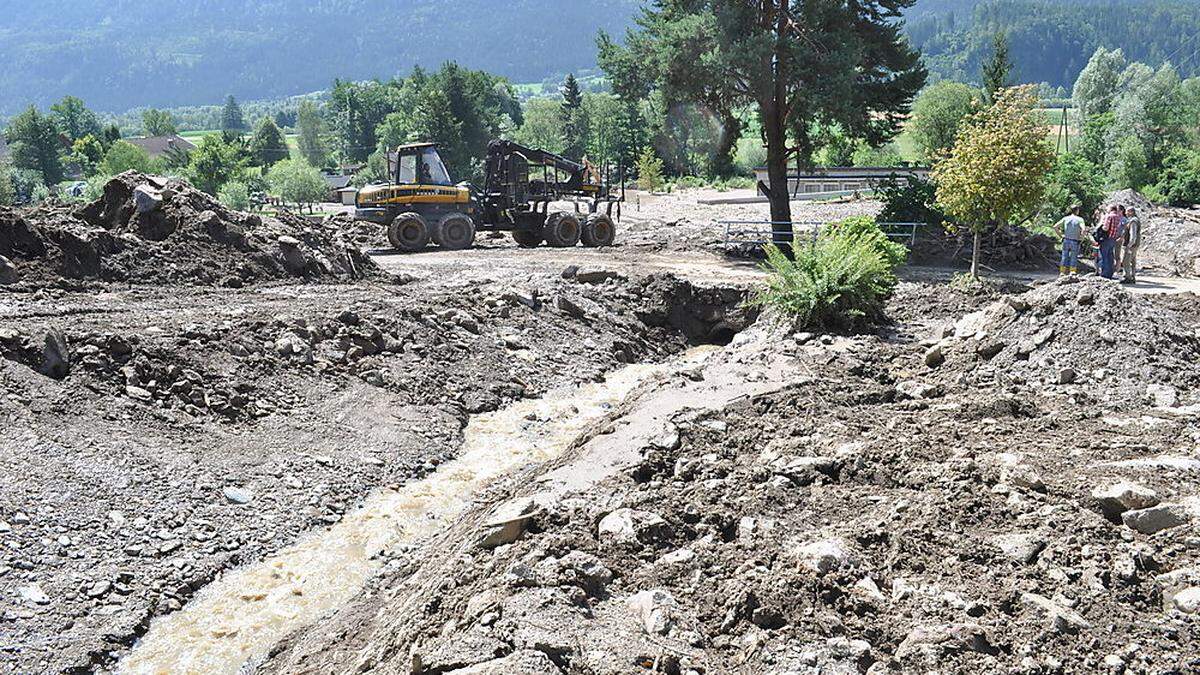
1091, 331
365, 235
151, 230
844, 524
1002, 248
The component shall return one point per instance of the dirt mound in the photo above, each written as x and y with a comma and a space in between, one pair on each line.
361, 233
150, 230
1129, 198
1090, 331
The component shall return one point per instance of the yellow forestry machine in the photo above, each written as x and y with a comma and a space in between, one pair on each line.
420, 203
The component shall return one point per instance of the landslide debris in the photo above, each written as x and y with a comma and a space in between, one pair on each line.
153, 230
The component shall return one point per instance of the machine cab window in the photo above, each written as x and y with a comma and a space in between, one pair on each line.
420, 165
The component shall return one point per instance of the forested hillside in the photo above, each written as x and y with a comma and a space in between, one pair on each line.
1052, 40
118, 54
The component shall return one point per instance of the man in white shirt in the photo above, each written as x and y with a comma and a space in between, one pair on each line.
1071, 229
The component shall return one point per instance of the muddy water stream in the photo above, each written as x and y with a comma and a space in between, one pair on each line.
241, 615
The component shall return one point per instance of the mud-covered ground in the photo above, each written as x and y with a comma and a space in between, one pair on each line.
878, 511
919, 498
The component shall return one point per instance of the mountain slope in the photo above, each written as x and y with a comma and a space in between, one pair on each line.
123, 53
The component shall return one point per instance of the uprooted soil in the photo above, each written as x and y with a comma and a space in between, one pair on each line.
170, 233
872, 513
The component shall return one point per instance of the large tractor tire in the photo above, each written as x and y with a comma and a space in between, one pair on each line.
455, 232
408, 232
527, 238
598, 230
562, 229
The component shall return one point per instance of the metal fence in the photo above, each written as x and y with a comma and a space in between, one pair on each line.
742, 234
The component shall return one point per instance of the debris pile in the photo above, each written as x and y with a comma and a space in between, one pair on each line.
151, 230
1088, 331
1005, 247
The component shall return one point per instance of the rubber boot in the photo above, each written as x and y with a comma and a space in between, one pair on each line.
1062, 271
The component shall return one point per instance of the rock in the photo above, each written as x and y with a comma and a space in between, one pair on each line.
1163, 396
627, 526
989, 349
570, 307
824, 556
529, 299
1188, 600
805, 470
56, 356
654, 609
8, 272
679, 557
1156, 518
1023, 476
584, 570
867, 587
1022, 548
934, 356
523, 662
911, 389
146, 199
1063, 619
949, 637
99, 589
1085, 298
1016, 303
294, 258
1067, 376
1118, 498
595, 276
137, 393
507, 522
570, 271
236, 495
34, 594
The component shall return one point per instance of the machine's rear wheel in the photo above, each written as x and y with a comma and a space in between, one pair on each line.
562, 229
456, 232
409, 232
527, 238
598, 230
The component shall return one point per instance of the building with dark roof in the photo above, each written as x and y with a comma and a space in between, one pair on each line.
157, 146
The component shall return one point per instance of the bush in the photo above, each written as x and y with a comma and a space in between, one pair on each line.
909, 199
1075, 180
894, 254
235, 195
293, 180
751, 154
1179, 182
649, 168
95, 187
839, 282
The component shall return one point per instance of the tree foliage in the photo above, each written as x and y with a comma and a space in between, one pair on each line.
801, 64
937, 115
1075, 181
574, 120
8, 193
214, 163
649, 170
235, 195
158, 123
124, 156
997, 70
35, 144
311, 141
543, 127
996, 172
74, 119
231, 117
268, 144
297, 182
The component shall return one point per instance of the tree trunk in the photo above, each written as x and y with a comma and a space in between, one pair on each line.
774, 121
975, 255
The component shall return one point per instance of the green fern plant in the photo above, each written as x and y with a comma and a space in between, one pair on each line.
839, 282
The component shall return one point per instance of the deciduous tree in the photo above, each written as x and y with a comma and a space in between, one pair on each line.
213, 163
74, 118
938, 113
996, 173
296, 181
158, 123
311, 141
36, 145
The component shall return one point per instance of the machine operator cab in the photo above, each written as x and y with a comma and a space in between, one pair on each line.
417, 164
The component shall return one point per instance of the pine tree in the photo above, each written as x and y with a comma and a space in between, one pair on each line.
311, 143
231, 116
574, 119
997, 70
268, 144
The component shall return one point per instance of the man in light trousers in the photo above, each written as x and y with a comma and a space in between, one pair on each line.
1132, 240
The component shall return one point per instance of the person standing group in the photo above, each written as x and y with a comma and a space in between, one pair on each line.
1117, 237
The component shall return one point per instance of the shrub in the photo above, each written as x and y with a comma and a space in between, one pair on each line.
235, 195
839, 282
649, 168
909, 199
894, 254
1179, 182
95, 187
1075, 180
297, 182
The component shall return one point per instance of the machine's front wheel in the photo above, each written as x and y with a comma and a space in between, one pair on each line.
527, 238
598, 230
408, 232
562, 229
456, 232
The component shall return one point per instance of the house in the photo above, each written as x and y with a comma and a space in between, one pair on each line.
348, 196
158, 146
351, 169
336, 184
